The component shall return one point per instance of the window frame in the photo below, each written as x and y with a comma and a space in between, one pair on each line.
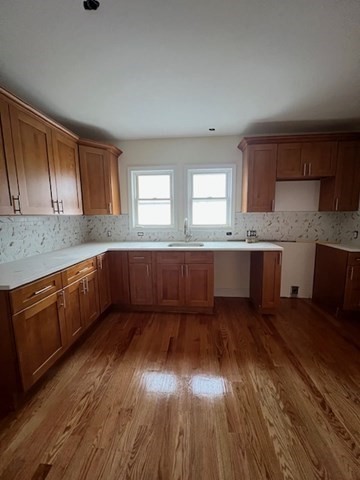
133, 173
230, 172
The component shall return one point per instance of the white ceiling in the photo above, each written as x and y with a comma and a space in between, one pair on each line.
170, 68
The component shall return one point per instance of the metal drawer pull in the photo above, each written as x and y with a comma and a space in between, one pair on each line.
43, 290
147, 270
56, 209
63, 303
16, 199
110, 208
336, 204
304, 170
352, 273
62, 206
309, 168
139, 258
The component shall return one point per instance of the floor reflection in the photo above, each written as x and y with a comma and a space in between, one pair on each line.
198, 385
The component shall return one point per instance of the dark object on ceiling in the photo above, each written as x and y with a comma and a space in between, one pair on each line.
91, 4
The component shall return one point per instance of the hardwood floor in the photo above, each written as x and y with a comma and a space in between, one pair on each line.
233, 396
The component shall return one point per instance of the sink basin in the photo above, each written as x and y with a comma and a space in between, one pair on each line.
186, 244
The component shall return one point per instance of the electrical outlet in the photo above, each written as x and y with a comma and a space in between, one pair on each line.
355, 234
251, 233
294, 291
140, 234
108, 233
228, 234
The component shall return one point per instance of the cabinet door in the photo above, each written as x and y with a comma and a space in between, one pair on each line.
34, 162
259, 178
40, 336
8, 179
265, 280
352, 288
141, 285
104, 282
347, 188
74, 311
91, 299
67, 170
289, 164
319, 159
95, 178
199, 285
170, 283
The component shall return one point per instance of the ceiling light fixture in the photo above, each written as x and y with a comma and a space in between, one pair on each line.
91, 4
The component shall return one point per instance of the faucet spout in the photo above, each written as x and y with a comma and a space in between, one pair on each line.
187, 231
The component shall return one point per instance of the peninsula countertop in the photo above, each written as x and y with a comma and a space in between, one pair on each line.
19, 272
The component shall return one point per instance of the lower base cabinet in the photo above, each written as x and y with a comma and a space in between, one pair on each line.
337, 278
103, 281
265, 280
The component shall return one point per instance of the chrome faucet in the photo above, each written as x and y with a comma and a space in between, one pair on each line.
187, 231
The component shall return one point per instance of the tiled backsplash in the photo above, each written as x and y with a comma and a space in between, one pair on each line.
285, 226
24, 236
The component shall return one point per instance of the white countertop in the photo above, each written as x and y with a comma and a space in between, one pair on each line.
17, 273
348, 248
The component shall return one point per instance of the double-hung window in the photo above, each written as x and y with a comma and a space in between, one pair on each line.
152, 198
210, 196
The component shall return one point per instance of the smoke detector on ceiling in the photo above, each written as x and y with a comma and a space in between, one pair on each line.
91, 4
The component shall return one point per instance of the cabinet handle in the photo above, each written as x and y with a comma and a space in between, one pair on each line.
304, 170
336, 204
147, 270
87, 284
110, 208
139, 258
63, 302
45, 289
279, 259
100, 263
182, 270
83, 291
54, 204
309, 169
187, 270
16, 199
352, 273
62, 206
272, 204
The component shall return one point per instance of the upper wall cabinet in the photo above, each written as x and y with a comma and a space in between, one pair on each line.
67, 168
9, 192
99, 178
331, 158
39, 162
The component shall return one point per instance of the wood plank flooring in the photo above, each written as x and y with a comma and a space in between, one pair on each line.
233, 396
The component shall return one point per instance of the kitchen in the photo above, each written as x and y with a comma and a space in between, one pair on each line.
74, 238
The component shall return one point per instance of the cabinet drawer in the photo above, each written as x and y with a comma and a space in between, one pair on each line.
199, 257
78, 271
140, 257
354, 259
30, 294
170, 257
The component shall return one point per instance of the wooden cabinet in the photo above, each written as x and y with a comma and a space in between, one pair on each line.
75, 314
341, 193
140, 278
99, 178
103, 281
259, 177
9, 192
40, 337
34, 162
337, 278
67, 169
265, 280
306, 160
331, 158
185, 279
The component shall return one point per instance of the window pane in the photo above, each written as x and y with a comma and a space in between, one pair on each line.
154, 213
209, 212
209, 185
154, 186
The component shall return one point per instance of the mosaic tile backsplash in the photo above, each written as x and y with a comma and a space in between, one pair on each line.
25, 236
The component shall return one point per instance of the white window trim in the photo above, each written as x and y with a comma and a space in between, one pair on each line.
230, 198
151, 170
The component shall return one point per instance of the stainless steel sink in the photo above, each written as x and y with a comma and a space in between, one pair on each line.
186, 244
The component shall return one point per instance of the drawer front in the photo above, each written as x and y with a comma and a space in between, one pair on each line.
31, 293
354, 259
170, 257
140, 257
78, 271
199, 257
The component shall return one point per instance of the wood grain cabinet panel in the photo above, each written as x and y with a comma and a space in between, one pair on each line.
99, 178
337, 278
170, 284
9, 191
341, 193
34, 162
103, 281
319, 159
74, 310
141, 284
40, 337
259, 178
67, 169
265, 280
289, 165
199, 285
